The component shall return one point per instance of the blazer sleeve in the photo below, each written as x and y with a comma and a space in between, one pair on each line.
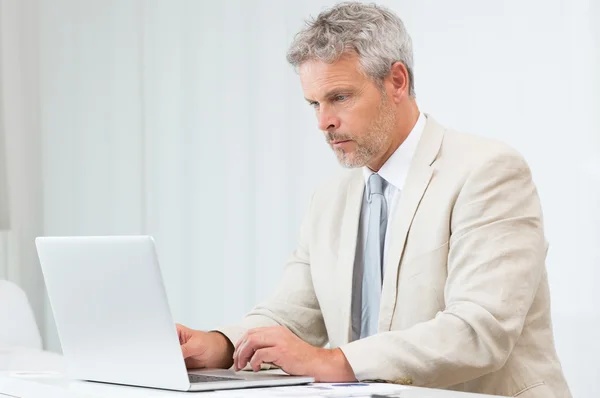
495, 263
294, 304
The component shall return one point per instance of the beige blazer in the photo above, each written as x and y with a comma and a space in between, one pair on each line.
465, 301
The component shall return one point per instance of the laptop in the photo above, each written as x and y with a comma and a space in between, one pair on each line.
114, 322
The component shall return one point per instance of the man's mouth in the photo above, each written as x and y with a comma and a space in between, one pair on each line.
339, 142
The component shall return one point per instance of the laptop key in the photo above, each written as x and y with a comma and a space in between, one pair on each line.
209, 379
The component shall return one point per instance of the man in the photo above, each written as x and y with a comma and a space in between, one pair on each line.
425, 264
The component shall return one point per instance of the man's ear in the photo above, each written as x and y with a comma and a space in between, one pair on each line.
400, 81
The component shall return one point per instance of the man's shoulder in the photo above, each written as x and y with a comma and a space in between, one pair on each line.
473, 150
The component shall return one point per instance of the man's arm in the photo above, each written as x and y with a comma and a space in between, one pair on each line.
495, 264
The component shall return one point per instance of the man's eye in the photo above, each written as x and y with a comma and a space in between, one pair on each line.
314, 104
340, 98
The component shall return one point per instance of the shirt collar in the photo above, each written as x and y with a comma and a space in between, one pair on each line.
395, 169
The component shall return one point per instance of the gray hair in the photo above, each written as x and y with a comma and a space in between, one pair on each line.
375, 33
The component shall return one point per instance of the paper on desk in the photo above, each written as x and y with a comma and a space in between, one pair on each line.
316, 390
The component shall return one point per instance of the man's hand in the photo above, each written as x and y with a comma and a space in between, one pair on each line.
279, 346
205, 350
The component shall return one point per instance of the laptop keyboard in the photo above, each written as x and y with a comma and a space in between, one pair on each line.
209, 379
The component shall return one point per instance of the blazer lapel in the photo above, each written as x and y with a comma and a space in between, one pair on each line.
416, 184
347, 252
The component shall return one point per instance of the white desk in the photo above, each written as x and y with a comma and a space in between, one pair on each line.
32, 374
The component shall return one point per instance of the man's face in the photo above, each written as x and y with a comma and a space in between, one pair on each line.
353, 112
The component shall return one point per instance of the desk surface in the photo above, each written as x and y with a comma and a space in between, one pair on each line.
33, 373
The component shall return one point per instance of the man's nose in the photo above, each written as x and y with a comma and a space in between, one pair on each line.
328, 121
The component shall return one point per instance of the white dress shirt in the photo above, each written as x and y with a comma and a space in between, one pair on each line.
394, 172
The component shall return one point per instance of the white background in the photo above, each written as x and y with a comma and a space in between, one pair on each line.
181, 119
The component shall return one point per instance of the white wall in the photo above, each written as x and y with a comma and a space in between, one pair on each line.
181, 119
20, 103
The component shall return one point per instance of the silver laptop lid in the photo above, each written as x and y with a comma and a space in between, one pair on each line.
111, 310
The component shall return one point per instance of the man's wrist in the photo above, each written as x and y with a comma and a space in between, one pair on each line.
223, 350
334, 367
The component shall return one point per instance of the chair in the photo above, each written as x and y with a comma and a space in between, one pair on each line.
17, 323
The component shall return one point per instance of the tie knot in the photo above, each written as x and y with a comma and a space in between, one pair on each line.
375, 184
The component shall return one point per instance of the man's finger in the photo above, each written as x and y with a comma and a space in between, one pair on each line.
267, 337
236, 350
264, 355
185, 350
182, 333
249, 346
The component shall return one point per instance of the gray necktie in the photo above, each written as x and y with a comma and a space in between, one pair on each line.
373, 263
